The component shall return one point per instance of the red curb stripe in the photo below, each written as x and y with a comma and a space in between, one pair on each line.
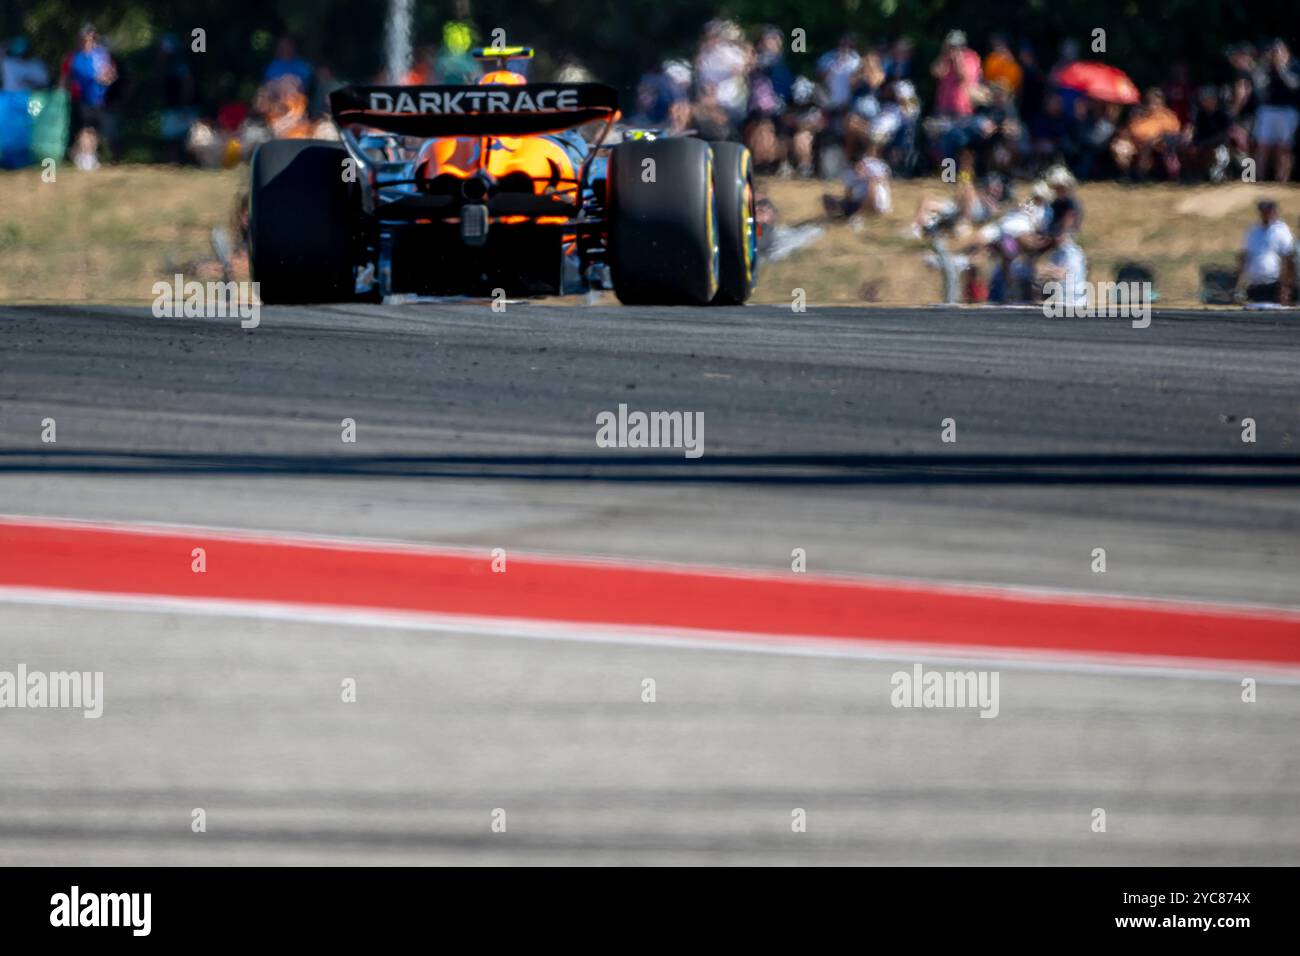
149, 561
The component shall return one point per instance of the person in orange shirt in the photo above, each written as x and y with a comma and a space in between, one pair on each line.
1000, 65
1152, 133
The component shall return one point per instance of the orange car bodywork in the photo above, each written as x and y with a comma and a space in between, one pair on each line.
542, 159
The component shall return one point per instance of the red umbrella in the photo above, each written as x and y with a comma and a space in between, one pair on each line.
1100, 81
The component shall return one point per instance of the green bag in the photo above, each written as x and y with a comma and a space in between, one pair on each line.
50, 111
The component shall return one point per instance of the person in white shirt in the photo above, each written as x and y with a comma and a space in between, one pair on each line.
723, 64
1264, 264
1064, 261
866, 188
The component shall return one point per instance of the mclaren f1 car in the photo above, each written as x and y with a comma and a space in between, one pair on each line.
504, 185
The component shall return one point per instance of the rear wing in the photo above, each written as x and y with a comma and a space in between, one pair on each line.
475, 110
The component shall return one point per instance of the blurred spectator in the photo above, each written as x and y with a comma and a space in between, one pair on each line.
895, 127
680, 118
1012, 241
976, 203
1212, 138
1265, 262
1063, 261
722, 66
1062, 183
866, 188
655, 96
709, 117
869, 77
682, 77
898, 62
1277, 86
282, 105
88, 74
1180, 94
1151, 135
769, 151
1099, 125
770, 65
288, 63
424, 68
836, 70
992, 134
179, 110
1033, 83
1054, 132
1000, 66
770, 87
800, 126
20, 72
961, 235
571, 70
326, 83
455, 65
865, 87
1058, 191
85, 150
763, 99
1069, 53
957, 74
1241, 100
279, 111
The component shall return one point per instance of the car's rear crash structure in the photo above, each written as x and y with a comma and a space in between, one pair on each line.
469, 189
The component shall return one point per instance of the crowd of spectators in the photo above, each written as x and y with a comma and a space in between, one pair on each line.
186, 129
818, 113
998, 123
815, 115
992, 245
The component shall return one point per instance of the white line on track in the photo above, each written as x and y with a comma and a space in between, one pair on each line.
829, 647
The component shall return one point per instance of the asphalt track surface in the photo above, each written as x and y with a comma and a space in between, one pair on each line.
476, 429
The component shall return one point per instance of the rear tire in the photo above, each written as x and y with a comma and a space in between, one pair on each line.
663, 239
301, 216
733, 184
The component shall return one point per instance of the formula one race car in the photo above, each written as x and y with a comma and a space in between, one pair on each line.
478, 190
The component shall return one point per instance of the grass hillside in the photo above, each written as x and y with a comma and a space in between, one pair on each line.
107, 236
